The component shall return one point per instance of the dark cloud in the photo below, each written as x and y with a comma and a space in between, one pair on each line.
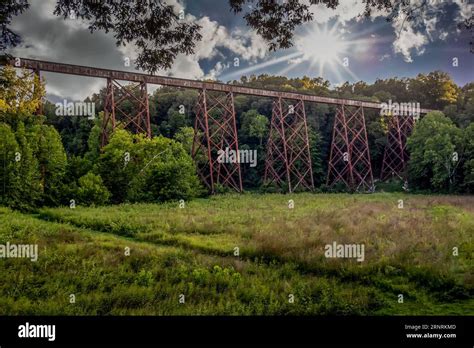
48, 37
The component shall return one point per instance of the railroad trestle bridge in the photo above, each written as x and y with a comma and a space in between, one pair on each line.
288, 157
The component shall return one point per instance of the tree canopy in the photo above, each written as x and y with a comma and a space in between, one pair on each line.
160, 33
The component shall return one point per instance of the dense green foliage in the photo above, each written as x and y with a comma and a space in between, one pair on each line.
92, 190
437, 150
135, 168
33, 161
52, 161
469, 156
55, 160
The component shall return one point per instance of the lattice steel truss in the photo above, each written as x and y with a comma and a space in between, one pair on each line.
134, 117
288, 158
396, 156
349, 159
215, 130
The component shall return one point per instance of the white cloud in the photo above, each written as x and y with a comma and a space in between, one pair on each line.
465, 10
295, 60
430, 25
216, 71
411, 36
248, 44
245, 45
443, 35
407, 39
347, 11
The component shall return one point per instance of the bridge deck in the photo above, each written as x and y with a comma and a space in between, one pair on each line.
185, 83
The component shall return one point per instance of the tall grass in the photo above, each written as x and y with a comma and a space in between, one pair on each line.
191, 251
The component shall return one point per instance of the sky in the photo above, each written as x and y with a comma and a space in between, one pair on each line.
338, 45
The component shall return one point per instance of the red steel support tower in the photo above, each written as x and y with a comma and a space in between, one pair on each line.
215, 130
134, 117
288, 158
396, 156
349, 159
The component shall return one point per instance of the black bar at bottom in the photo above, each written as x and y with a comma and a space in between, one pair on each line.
454, 331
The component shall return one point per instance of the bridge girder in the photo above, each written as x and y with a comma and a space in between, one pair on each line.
184, 83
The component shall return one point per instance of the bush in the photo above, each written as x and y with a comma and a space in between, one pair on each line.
139, 169
392, 185
164, 171
338, 187
92, 191
113, 165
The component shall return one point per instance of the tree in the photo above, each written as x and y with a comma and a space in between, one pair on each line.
254, 125
436, 152
462, 113
115, 164
9, 150
377, 137
93, 145
163, 172
469, 154
185, 136
176, 120
91, 190
52, 161
8, 9
27, 188
135, 168
170, 100
316, 161
436, 89
40, 161
20, 96
34, 164
259, 127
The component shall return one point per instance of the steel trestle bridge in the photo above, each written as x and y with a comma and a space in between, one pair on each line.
288, 157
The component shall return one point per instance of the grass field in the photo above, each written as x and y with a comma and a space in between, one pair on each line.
191, 252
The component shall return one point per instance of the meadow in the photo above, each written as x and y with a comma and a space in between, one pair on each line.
248, 254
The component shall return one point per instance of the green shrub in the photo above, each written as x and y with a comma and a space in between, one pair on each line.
92, 191
153, 170
392, 185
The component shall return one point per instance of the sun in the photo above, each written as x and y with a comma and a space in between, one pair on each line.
322, 50
322, 47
